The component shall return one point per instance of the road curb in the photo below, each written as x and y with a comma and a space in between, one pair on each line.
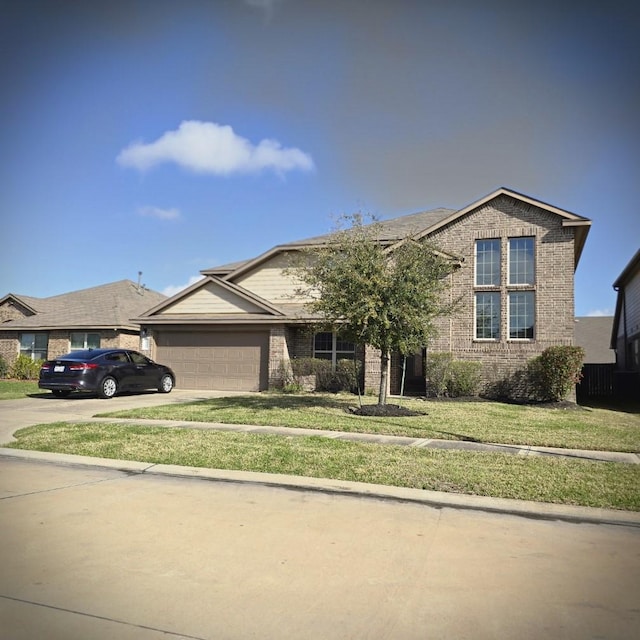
434, 499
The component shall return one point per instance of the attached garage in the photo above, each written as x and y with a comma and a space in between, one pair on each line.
216, 360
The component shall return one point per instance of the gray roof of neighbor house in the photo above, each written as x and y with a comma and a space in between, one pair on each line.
593, 334
106, 306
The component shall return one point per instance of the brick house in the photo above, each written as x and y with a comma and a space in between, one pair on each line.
44, 328
242, 323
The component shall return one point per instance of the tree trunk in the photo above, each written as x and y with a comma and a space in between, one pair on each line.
384, 367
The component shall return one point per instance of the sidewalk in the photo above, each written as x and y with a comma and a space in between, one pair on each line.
429, 443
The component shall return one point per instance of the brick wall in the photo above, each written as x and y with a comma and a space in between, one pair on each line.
505, 218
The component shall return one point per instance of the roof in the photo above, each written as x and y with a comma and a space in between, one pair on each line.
593, 333
106, 306
416, 225
628, 272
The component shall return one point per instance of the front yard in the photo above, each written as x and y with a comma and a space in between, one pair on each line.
558, 480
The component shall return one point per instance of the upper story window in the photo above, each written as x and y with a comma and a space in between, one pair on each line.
521, 261
82, 341
329, 346
505, 299
34, 345
488, 263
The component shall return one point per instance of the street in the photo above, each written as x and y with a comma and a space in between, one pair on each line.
101, 554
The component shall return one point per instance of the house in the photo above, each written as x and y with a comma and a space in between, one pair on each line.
593, 334
625, 336
44, 328
242, 323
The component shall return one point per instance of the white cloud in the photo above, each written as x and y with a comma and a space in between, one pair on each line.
207, 147
171, 290
595, 313
267, 6
162, 214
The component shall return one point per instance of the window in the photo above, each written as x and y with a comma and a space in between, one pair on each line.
85, 341
521, 315
34, 345
488, 316
329, 346
521, 263
508, 290
487, 263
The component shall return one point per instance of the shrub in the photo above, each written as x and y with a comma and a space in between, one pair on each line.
464, 378
24, 368
4, 367
555, 372
344, 378
438, 373
453, 378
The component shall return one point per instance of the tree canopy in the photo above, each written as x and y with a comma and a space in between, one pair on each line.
386, 295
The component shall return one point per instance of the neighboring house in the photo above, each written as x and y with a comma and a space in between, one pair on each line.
239, 327
625, 336
593, 334
44, 328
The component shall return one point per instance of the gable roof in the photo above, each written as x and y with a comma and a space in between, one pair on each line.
416, 225
592, 334
569, 219
240, 292
106, 306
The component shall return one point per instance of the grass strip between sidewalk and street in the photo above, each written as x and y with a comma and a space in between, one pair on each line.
591, 428
544, 479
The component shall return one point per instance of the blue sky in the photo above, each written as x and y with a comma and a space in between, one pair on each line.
173, 136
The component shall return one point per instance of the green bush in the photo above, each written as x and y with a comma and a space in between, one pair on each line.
4, 368
438, 373
555, 372
24, 368
464, 378
344, 378
452, 378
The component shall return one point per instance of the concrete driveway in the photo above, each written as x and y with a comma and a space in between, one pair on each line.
45, 407
102, 554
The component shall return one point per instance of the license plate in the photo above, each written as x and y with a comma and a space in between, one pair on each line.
58, 368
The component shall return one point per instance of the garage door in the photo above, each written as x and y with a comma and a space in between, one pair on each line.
216, 360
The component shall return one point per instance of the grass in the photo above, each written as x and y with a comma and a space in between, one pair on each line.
545, 479
15, 389
594, 428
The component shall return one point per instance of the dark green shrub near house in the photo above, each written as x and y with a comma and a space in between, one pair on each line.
452, 378
24, 368
555, 372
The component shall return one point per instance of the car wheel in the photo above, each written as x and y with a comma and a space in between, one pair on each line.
108, 387
166, 383
61, 393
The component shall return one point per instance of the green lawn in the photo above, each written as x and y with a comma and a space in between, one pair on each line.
581, 428
554, 480
15, 389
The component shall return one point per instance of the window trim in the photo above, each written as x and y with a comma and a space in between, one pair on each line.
498, 296
86, 334
33, 350
335, 338
533, 305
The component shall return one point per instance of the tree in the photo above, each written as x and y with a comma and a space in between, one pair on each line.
387, 295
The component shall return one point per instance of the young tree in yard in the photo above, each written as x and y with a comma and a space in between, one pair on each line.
375, 292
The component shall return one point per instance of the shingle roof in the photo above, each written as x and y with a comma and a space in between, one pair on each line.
593, 335
109, 305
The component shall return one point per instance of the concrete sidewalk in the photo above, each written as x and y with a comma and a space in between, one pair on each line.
18, 414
